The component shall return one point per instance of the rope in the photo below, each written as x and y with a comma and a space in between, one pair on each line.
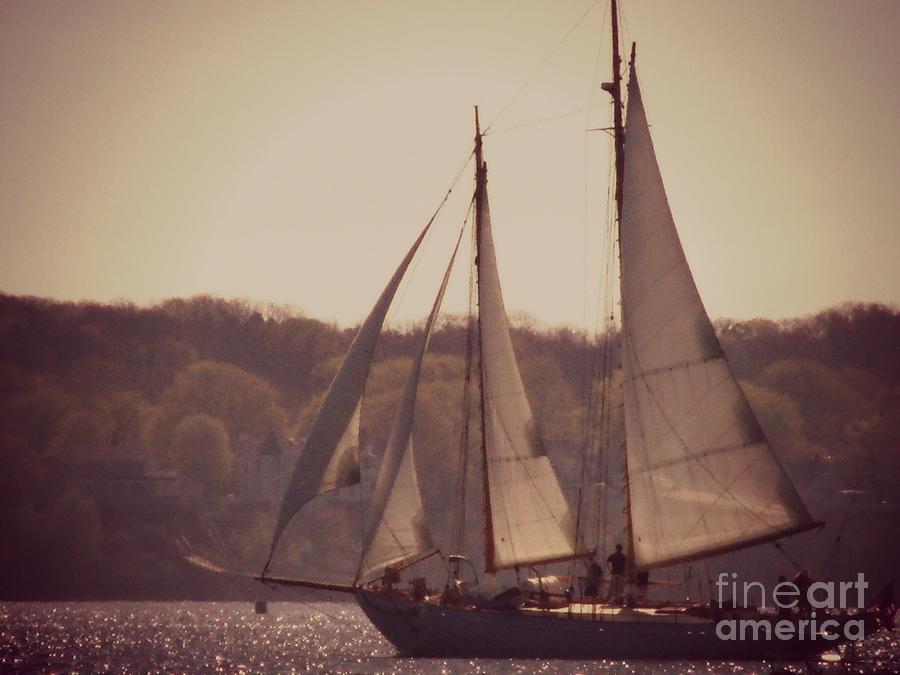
459, 532
407, 278
879, 426
604, 431
589, 352
540, 67
541, 120
793, 562
394, 304
308, 603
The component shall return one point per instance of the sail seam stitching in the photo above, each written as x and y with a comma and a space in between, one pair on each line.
668, 369
695, 457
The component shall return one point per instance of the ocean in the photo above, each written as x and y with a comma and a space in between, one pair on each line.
320, 637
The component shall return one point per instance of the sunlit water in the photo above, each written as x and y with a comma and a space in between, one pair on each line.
229, 637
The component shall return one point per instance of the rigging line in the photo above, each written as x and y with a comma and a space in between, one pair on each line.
589, 445
516, 458
587, 375
415, 263
777, 545
592, 389
541, 120
599, 432
536, 492
595, 420
465, 418
309, 604
588, 387
406, 277
458, 534
541, 66
880, 439
624, 27
627, 347
429, 327
726, 491
850, 503
596, 78
333, 617
701, 464
599, 435
587, 181
767, 445
584, 454
361, 502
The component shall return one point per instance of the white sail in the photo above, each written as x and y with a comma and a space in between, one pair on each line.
396, 531
702, 477
529, 520
343, 467
330, 457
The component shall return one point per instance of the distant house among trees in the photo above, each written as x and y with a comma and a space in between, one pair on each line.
263, 469
262, 472
120, 486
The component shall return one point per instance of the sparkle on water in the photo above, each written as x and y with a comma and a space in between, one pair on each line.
228, 637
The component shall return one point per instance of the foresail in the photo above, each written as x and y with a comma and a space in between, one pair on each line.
401, 534
530, 520
343, 468
396, 530
702, 477
330, 457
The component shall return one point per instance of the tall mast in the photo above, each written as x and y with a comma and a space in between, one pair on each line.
620, 160
614, 88
480, 186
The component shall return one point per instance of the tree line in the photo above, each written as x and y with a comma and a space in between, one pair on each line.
189, 385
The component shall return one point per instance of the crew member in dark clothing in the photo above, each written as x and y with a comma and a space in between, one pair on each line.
803, 581
641, 582
594, 579
390, 578
783, 612
616, 563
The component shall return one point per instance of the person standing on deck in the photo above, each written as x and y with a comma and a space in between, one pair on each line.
616, 563
642, 582
803, 581
594, 579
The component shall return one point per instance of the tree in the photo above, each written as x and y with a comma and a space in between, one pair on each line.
81, 434
202, 452
126, 411
35, 414
777, 413
245, 404
557, 413
826, 402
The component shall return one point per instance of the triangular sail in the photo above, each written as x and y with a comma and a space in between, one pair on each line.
396, 531
702, 477
343, 469
330, 457
529, 520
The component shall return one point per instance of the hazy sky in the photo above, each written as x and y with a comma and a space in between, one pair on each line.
291, 151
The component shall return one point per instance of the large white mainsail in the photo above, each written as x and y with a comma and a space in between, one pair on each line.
702, 477
330, 456
529, 520
396, 531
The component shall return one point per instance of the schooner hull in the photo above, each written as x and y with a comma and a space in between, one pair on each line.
420, 629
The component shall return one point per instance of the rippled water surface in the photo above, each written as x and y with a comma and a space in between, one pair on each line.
229, 637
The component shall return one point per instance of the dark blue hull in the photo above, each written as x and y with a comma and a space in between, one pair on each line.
424, 629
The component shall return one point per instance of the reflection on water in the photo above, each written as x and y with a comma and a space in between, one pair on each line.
231, 638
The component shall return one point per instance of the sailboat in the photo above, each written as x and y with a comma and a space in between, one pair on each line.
701, 477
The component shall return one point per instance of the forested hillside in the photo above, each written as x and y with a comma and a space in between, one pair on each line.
132, 437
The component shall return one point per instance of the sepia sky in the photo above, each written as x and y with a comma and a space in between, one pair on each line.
289, 152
